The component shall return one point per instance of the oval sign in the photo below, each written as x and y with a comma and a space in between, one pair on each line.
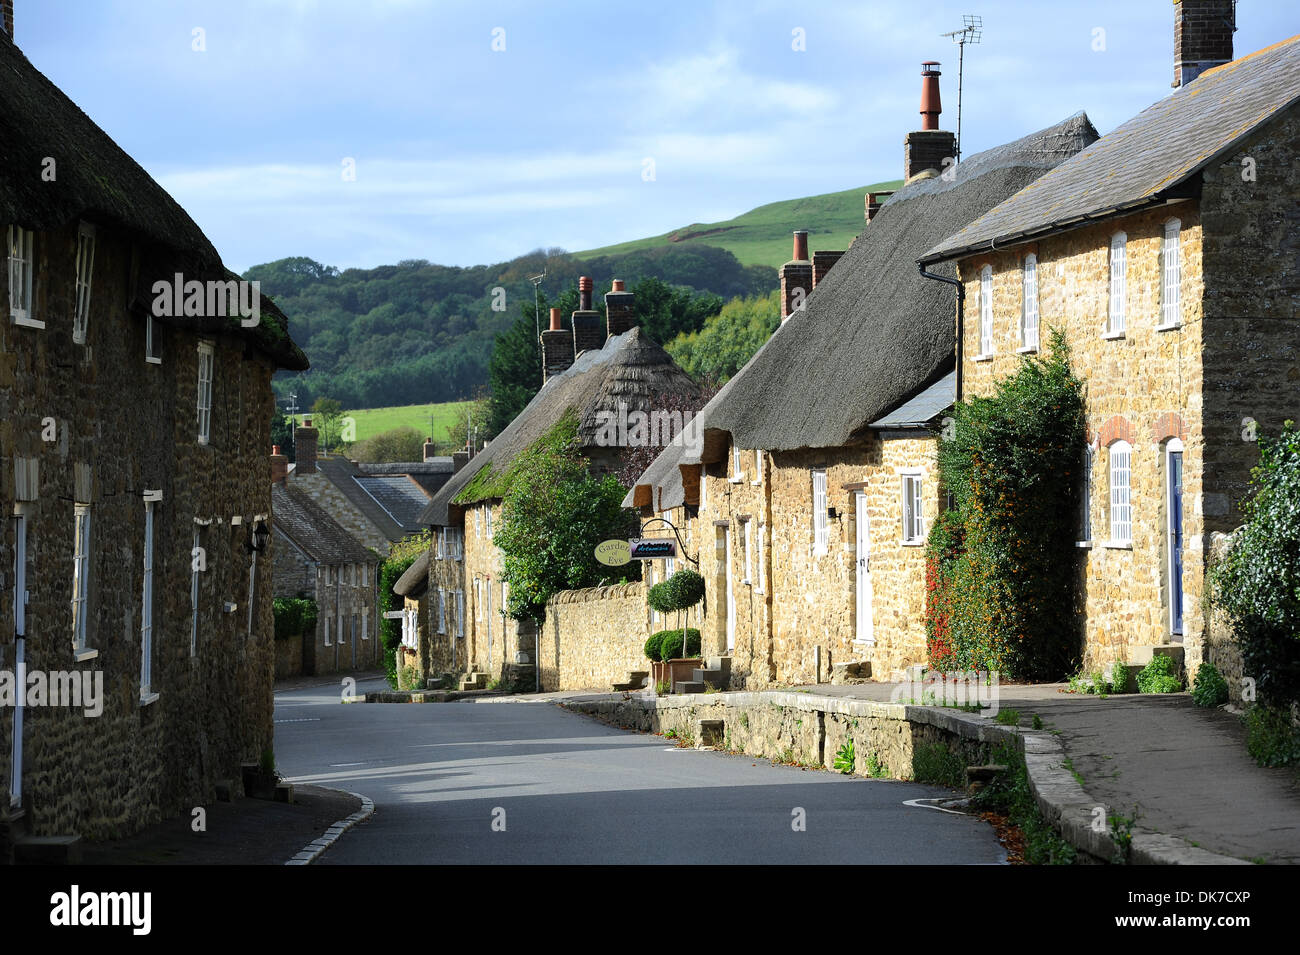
614, 552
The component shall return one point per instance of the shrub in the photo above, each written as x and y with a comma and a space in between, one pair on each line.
1159, 676
293, 616
400, 557
1002, 570
1209, 688
1257, 582
670, 646
686, 588
1271, 737
652, 645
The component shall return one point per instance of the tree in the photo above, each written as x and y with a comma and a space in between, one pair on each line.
554, 513
327, 412
515, 370
397, 444
472, 413
729, 339
665, 311
282, 433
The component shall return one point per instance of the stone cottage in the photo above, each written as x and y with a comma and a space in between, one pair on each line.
599, 370
134, 483
816, 483
314, 556
1167, 253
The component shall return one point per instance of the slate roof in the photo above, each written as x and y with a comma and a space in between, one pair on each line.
98, 182
415, 580
309, 526
921, 410
374, 501
399, 495
631, 368
430, 475
1148, 159
874, 330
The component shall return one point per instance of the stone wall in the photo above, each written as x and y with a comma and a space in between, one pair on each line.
325, 493
347, 630
591, 638
447, 643
288, 657
95, 423
294, 573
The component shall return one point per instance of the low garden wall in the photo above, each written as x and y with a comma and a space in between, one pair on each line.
591, 638
288, 656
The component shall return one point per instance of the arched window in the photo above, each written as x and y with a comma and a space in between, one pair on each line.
1121, 506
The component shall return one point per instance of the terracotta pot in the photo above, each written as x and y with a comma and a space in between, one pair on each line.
683, 669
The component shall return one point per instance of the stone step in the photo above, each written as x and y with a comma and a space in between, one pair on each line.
47, 850
714, 678
720, 663
1129, 674
857, 671
634, 675
1141, 656
689, 686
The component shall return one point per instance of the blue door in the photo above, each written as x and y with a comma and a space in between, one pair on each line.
1176, 540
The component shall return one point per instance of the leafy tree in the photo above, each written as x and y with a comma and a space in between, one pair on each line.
282, 433
397, 444
554, 513
326, 413
455, 436
666, 311
728, 340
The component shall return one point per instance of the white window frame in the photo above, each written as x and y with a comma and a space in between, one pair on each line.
460, 613
704, 483
151, 355
737, 469
986, 312
478, 598
747, 537
80, 578
487, 521
1117, 292
1171, 276
441, 544
821, 523
758, 467
194, 594
442, 610
365, 623
1029, 304
911, 491
22, 268
1085, 505
1119, 467
84, 274
327, 632
203, 403
759, 585
478, 523
146, 609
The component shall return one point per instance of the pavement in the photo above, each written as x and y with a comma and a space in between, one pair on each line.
1179, 769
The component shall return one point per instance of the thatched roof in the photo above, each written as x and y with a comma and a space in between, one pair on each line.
631, 369
874, 331
308, 525
1148, 159
96, 181
415, 580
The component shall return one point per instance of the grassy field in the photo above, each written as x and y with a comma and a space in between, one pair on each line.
762, 236
373, 421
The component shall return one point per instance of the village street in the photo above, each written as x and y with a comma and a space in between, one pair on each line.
528, 782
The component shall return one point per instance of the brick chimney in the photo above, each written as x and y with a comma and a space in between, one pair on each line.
557, 347
874, 201
620, 309
929, 146
304, 439
587, 331
822, 262
430, 451
8, 7
796, 277
459, 459
279, 465
1202, 37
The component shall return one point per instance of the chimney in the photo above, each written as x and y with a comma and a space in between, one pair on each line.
8, 7
1203, 32
796, 277
822, 262
620, 309
458, 460
557, 347
279, 465
430, 452
587, 333
305, 441
929, 146
874, 201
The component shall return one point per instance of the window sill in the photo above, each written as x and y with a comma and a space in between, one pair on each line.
870, 642
27, 322
152, 361
1027, 350
84, 654
756, 483
147, 698
738, 479
988, 357
1118, 545
1112, 336
915, 543
746, 581
1084, 544
1169, 328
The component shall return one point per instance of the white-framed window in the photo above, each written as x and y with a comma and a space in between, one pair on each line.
80, 576
22, 259
986, 310
1029, 304
913, 508
737, 467
85, 271
146, 606
1118, 281
1171, 276
150, 345
1085, 502
204, 401
821, 524
441, 547
460, 613
762, 558
704, 483
758, 467
327, 632
747, 536
478, 523
365, 623
487, 521
196, 561
442, 610
458, 536
1121, 508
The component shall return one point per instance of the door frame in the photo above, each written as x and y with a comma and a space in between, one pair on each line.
731, 591
1174, 541
864, 608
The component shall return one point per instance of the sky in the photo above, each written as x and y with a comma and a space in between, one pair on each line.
367, 132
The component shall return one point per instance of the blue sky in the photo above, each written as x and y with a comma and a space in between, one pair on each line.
465, 154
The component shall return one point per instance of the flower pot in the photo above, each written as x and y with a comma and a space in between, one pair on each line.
683, 669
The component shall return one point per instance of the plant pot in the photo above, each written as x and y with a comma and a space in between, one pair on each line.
682, 669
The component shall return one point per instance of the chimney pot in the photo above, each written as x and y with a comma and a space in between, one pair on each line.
620, 309
305, 438
279, 465
556, 324
584, 294
930, 105
796, 277
800, 245
616, 285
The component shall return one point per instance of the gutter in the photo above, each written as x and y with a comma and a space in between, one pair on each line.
961, 312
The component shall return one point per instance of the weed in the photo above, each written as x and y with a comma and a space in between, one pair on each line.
1038, 722
936, 763
844, 758
1068, 763
744, 720
1009, 794
1121, 831
876, 769
1008, 717
1159, 676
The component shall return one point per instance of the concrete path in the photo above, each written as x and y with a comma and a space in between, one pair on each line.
1185, 768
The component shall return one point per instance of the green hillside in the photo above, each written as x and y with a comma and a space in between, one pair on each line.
762, 236
373, 421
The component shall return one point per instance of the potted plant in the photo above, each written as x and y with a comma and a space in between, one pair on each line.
677, 650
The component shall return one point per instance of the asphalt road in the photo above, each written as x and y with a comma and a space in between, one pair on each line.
528, 782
